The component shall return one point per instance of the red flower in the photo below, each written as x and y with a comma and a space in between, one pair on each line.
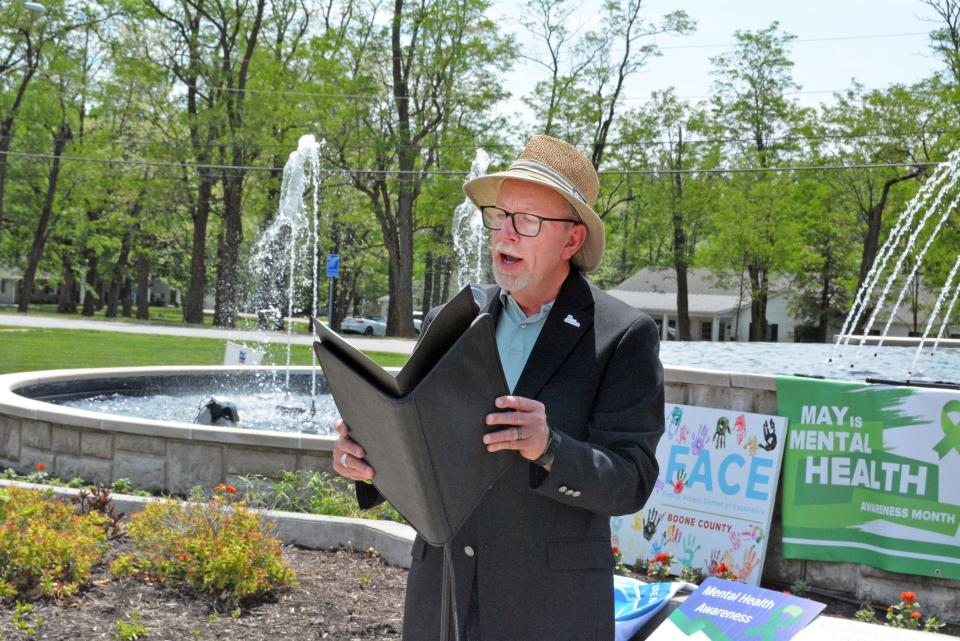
916, 615
908, 597
788, 592
219, 487
722, 568
615, 549
230, 489
663, 558
41, 467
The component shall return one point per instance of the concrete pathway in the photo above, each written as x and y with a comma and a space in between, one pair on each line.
391, 345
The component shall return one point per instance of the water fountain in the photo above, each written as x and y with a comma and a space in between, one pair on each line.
469, 236
913, 223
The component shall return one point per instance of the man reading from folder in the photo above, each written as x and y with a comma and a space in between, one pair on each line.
534, 560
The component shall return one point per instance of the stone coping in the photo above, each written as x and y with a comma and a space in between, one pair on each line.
13, 404
390, 539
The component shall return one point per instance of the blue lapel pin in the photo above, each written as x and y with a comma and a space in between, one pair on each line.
571, 320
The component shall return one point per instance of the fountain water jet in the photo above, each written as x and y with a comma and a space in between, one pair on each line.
469, 237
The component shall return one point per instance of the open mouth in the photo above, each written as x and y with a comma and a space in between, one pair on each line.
508, 260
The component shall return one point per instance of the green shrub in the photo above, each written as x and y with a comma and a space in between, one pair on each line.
311, 493
216, 548
45, 546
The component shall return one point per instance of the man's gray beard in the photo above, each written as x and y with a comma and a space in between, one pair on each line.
512, 283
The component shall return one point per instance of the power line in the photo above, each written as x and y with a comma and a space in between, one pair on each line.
439, 172
611, 143
729, 45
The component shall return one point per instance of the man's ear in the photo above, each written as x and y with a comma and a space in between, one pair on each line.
576, 237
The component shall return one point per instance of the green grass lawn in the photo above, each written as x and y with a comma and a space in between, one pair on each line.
34, 349
158, 316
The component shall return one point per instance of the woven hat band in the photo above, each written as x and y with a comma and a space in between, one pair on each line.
548, 175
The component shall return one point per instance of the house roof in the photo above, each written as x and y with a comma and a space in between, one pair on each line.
699, 281
666, 302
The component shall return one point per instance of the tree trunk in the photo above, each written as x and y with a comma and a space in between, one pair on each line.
126, 297
446, 269
680, 247
67, 303
60, 140
143, 286
427, 283
193, 305
758, 307
92, 284
119, 274
225, 312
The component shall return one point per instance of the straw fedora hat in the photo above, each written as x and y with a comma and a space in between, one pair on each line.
558, 165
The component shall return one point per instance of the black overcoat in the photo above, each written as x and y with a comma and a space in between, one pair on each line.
538, 546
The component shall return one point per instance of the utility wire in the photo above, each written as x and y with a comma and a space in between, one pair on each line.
730, 45
439, 172
611, 143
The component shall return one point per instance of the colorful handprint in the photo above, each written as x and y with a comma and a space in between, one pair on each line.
675, 417
679, 481
740, 429
689, 551
699, 441
651, 523
750, 562
720, 433
751, 445
672, 533
683, 435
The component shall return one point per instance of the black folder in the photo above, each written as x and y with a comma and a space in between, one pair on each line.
422, 430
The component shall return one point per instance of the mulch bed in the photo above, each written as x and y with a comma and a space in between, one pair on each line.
343, 595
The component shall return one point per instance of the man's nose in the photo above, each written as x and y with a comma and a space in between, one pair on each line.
507, 231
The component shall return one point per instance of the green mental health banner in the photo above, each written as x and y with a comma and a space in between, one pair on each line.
871, 475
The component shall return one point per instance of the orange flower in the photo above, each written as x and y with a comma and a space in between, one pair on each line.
734, 577
788, 592
916, 615
41, 467
908, 597
890, 609
663, 558
230, 489
219, 487
720, 569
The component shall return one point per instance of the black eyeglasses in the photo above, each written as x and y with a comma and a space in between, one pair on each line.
523, 223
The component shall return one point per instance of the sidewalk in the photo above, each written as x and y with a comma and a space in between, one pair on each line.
390, 345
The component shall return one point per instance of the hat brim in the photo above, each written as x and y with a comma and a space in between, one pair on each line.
484, 190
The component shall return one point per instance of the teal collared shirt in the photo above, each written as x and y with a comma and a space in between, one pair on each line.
517, 333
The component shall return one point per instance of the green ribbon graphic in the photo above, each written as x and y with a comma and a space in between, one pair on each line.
781, 618
951, 430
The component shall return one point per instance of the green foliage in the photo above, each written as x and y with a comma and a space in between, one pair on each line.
45, 546
25, 620
132, 629
311, 492
217, 548
800, 588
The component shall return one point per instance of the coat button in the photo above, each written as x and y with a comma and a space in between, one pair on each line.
562, 489
468, 551
575, 494
569, 492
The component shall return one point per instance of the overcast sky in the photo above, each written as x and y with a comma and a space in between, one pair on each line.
877, 42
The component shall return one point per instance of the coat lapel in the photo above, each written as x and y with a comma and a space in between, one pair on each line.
570, 317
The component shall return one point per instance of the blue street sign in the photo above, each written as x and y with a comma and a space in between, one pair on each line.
333, 265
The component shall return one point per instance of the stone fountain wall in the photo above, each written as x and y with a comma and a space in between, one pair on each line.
173, 458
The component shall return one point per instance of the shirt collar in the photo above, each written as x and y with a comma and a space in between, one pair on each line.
511, 306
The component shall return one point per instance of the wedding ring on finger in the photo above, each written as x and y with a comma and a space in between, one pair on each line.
519, 433
343, 459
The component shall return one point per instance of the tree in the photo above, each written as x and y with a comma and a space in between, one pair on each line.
751, 104
439, 75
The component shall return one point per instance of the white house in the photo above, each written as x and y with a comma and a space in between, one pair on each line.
719, 307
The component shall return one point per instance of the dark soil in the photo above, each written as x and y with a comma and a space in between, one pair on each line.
343, 595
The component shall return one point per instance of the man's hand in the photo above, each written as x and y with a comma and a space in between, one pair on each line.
528, 432
348, 456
